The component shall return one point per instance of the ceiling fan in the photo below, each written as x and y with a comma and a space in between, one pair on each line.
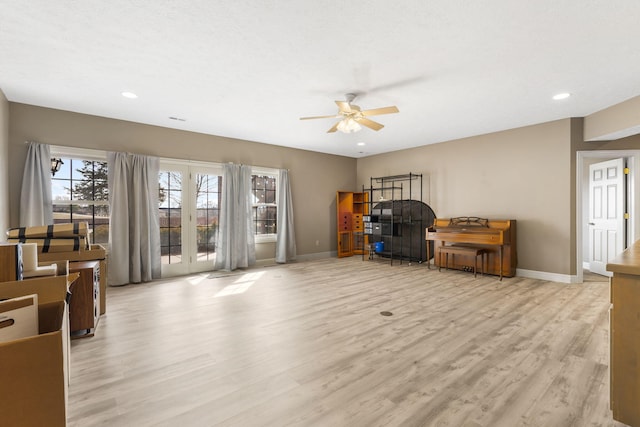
352, 116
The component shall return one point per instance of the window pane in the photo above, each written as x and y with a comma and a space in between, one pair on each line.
65, 169
270, 196
60, 189
270, 183
96, 216
175, 180
76, 167
61, 213
101, 226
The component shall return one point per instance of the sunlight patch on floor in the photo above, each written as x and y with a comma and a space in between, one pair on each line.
241, 285
196, 280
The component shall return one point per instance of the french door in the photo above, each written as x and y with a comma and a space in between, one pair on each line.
189, 200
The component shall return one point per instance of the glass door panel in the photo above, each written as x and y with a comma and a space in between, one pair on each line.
207, 188
172, 218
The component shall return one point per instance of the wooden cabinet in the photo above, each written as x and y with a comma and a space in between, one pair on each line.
95, 252
625, 336
10, 262
84, 307
351, 207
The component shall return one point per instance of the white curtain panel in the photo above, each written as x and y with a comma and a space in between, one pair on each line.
236, 243
35, 199
134, 232
285, 236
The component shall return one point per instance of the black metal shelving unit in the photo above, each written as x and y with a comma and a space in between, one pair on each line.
398, 220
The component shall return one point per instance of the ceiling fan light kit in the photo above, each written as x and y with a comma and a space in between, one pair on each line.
348, 125
353, 118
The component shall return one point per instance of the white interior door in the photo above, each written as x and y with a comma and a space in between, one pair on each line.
606, 213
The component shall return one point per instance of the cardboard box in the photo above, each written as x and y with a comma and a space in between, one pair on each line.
34, 371
18, 318
50, 231
58, 244
95, 252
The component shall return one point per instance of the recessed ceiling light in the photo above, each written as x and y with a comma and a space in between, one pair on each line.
129, 95
560, 96
361, 143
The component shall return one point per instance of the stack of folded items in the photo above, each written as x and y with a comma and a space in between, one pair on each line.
53, 238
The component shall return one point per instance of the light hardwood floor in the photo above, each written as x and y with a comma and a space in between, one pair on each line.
304, 344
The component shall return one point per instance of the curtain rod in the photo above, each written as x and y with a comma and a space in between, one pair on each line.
84, 151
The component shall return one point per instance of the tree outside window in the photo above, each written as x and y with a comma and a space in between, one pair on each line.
80, 193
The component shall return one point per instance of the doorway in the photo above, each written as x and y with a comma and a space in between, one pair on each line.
607, 213
584, 231
188, 210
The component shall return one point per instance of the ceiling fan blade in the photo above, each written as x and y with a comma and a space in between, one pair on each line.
333, 116
333, 128
344, 106
370, 123
378, 111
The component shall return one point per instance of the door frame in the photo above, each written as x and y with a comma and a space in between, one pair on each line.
633, 203
189, 262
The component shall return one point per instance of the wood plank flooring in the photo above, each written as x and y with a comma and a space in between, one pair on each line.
304, 344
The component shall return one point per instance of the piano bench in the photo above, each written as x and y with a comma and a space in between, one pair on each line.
462, 250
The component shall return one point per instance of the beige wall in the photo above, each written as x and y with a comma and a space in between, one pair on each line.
522, 174
527, 174
4, 163
618, 121
314, 177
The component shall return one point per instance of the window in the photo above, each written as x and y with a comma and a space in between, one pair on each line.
79, 192
263, 189
189, 201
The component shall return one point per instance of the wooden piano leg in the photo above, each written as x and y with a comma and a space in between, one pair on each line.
484, 261
428, 257
475, 266
501, 247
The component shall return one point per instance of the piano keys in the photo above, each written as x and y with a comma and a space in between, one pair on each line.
498, 237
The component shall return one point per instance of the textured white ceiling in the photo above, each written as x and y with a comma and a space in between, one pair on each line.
249, 69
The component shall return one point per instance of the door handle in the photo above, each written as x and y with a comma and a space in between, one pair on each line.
592, 223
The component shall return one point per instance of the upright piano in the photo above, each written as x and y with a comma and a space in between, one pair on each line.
497, 237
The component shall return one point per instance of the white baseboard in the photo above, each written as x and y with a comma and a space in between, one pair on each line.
306, 257
317, 255
543, 275
585, 265
530, 274
265, 262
